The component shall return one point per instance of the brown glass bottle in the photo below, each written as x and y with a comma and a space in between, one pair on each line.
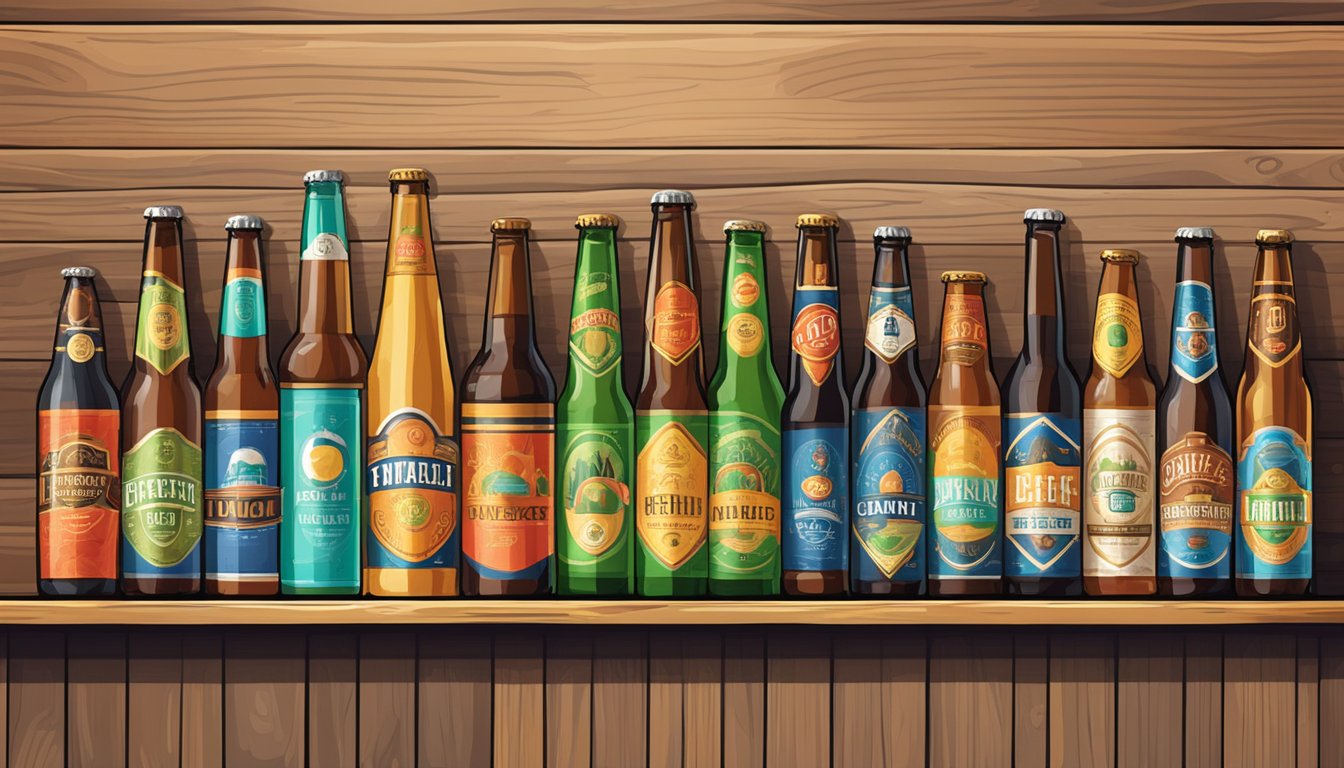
1195, 435
1119, 439
508, 436
1042, 414
161, 427
814, 497
965, 433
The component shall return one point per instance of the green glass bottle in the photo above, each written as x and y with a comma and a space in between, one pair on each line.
595, 427
745, 401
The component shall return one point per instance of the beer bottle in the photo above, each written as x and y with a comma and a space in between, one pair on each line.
1119, 425
412, 464
671, 413
815, 499
965, 432
595, 427
1274, 432
745, 400
161, 427
242, 431
886, 548
78, 436
1195, 436
1042, 403
508, 436
321, 409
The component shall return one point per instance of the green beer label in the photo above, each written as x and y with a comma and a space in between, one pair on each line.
161, 326
595, 340
595, 489
744, 494
161, 498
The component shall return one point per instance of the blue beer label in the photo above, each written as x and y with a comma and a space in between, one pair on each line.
1274, 506
888, 523
242, 499
1194, 346
320, 431
1042, 469
1195, 509
815, 499
964, 445
891, 322
243, 311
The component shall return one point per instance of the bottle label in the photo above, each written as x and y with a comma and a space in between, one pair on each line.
1274, 337
244, 312
891, 322
326, 246
964, 448
965, 337
1194, 346
1117, 335
508, 458
675, 333
745, 333
745, 289
1274, 508
1119, 505
1195, 513
672, 486
816, 330
242, 498
78, 493
595, 491
595, 340
320, 435
412, 486
816, 499
80, 348
744, 495
160, 330
889, 495
161, 494
1042, 502
410, 255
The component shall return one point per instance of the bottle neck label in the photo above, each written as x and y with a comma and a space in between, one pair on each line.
965, 336
1275, 337
160, 334
79, 345
326, 247
816, 330
409, 254
595, 340
891, 322
244, 312
1117, 336
1194, 345
676, 322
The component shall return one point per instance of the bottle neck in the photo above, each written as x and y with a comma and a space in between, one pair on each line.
242, 314
324, 267
163, 250
595, 314
744, 332
816, 257
1044, 304
509, 308
1273, 338
79, 325
673, 356
410, 242
1117, 326
1194, 350
965, 334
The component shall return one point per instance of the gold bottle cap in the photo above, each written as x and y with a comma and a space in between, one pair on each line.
1273, 236
1120, 256
408, 174
596, 221
964, 276
510, 224
743, 225
817, 220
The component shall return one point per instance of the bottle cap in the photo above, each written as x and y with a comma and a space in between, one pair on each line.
673, 197
964, 276
1120, 256
312, 177
817, 220
163, 212
244, 221
1043, 214
597, 221
1194, 233
510, 223
1273, 236
743, 225
408, 174
78, 272
891, 233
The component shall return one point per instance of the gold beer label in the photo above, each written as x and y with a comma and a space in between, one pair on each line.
673, 480
1119, 500
80, 348
412, 488
1275, 337
675, 333
964, 333
745, 290
1117, 336
746, 333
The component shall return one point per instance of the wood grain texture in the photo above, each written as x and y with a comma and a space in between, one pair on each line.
1031, 700
1082, 699
671, 85
1203, 699
744, 677
387, 699
878, 699
970, 682
1259, 699
203, 692
36, 694
18, 530
798, 722
519, 700
332, 693
264, 698
620, 699
685, 695
95, 693
569, 698
154, 699
455, 698
1331, 699
1308, 701
1150, 710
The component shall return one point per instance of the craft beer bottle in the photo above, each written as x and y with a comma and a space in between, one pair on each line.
508, 436
321, 409
1119, 426
1195, 436
815, 498
745, 400
965, 429
411, 545
1274, 434
671, 413
242, 431
886, 547
78, 447
1043, 430
161, 427
595, 427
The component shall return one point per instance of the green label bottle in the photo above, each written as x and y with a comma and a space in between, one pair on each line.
745, 400
595, 429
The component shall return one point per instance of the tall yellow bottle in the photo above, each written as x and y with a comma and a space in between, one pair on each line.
412, 541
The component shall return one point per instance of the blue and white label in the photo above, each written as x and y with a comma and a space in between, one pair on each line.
889, 501
1194, 344
1274, 509
1043, 500
242, 499
891, 322
815, 499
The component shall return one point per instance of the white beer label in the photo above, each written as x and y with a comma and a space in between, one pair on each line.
1119, 499
326, 247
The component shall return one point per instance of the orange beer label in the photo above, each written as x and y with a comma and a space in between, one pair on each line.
816, 339
79, 493
410, 256
508, 507
675, 331
964, 334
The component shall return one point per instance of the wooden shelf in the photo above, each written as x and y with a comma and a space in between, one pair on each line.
665, 612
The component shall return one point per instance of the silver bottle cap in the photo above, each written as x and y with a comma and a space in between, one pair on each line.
891, 233
244, 221
1194, 233
673, 197
315, 176
1043, 214
163, 212
78, 272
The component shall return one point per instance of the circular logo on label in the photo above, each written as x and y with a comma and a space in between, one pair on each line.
745, 290
167, 451
417, 436
411, 509
165, 326
410, 247
746, 333
816, 332
323, 458
245, 301
80, 348
816, 487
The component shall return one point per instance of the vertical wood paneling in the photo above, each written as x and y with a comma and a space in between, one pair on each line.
744, 700
36, 699
1031, 698
264, 698
154, 699
1259, 699
970, 700
798, 698
685, 694
520, 681
569, 698
1331, 713
387, 699
1149, 724
333, 696
620, 699
878, 696
203, 721
456, 669
1082, 699
95, 697
1308, 702
1203, 699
